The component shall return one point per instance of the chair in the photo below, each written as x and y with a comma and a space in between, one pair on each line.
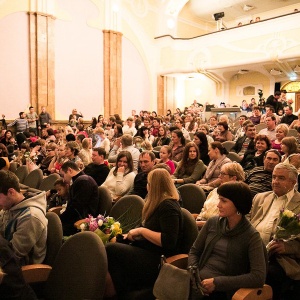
54, 237
48, 182
228, 145
79, 270
292, 132
193, 197
105, 201
34, 178
260, 126
263, 293
13, 167
56, 209
22, 173
234, 156
128, 211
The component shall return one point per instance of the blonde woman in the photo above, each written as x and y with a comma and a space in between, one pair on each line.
229, 172
134, 265
281, 132
85, 153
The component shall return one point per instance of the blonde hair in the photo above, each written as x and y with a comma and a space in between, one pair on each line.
282, 127
160, 188
146, 146
99, 130
235, 169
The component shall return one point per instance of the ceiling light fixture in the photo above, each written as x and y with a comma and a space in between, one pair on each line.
247, 7
297, 69
275, 72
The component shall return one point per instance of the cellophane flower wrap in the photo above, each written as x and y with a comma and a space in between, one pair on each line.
107, 228
288, 227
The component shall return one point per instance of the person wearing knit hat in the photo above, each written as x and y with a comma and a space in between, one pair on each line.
228, 252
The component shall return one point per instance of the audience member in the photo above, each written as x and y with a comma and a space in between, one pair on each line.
177, 144
146, 163
125, 143
224, 133
59, 196
97, 169
281, 131
200, 139
273, 100
44, 118
269, 131
129, 128
259, 179
21, 123
133, 264
289, 145
85, 153
256, 115
231, 171
288, 117
217, 153
83, 196
23, 220
284, 267
228, 251
32, 118
165, 153
240, 130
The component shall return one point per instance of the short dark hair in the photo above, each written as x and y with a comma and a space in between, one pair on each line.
60, 182
151, 154
277, 93
8, 180
100, 151
70, 164
70, 137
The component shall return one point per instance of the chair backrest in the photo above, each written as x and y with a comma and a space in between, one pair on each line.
264, 293
105, 200
79, 270
190, 231
48, 182
260, 126
234, 156
192, 196
128, 211
228, 145
22, 173
54, 237
34, 178
292, 132
13, 167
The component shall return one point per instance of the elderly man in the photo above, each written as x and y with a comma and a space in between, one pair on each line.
284, 264
259, 179
23, 220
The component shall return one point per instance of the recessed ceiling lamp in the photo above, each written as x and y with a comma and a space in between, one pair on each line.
297, 69
247, 7
293, 78
275, 72
243, 71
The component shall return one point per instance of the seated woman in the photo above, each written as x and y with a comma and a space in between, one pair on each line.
289, 145
85, 153
145, 134
58, 160
229, 172
281, 132
135, 265
71, 153
205, 129
228, 251
217, 153
224, 133
162, 138
200, 139
120, 178
190, 168
255, 158
177, 144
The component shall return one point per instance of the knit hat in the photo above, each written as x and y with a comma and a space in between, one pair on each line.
239, 193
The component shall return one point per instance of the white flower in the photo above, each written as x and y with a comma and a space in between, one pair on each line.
82, 226
117, 223
288, 213
100, 223
112, 227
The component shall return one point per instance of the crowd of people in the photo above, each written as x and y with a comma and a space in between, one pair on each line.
151, 156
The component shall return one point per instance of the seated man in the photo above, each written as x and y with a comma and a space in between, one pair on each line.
259, 179
83, 196
284, 262
23, 220
97, 169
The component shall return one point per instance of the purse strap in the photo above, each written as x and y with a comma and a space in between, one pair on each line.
195, 279
163, 260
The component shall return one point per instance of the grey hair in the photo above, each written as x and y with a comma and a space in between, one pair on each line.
293, 173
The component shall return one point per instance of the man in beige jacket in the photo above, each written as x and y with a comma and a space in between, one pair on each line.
284, 264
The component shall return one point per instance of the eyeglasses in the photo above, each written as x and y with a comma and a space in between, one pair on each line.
223, 174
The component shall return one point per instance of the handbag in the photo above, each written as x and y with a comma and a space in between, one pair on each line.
172, 283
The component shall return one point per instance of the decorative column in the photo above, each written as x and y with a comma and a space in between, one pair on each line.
42, 83
161, 103
112, 64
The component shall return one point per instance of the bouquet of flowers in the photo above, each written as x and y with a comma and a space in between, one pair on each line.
288, 227
105, 227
